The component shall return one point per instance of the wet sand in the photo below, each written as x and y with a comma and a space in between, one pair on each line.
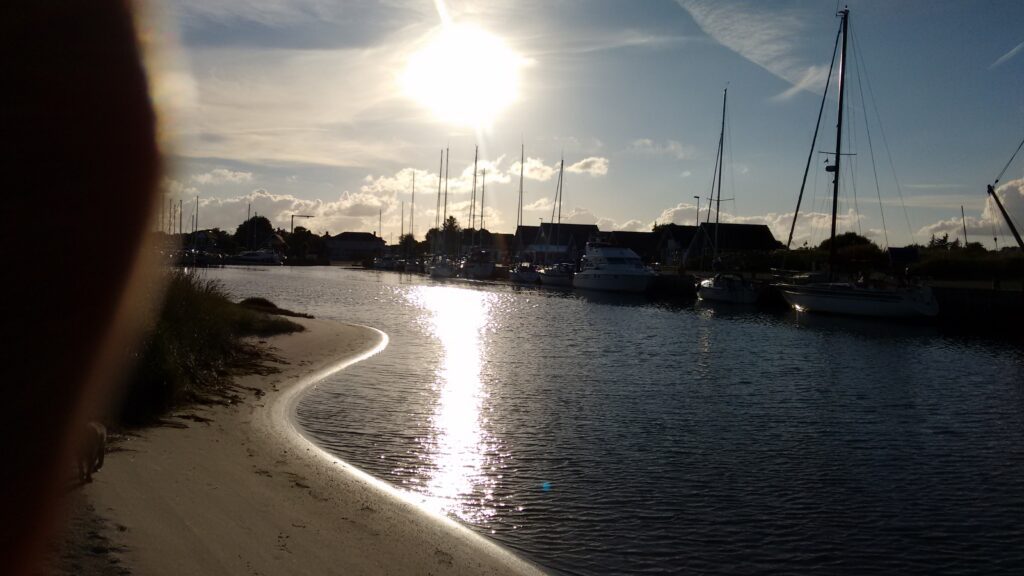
236, 490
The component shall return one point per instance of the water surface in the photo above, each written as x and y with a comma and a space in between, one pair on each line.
600, 434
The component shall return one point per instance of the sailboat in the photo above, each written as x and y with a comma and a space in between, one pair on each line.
560, 273
522, 272
441, 266
859, 299
722, 287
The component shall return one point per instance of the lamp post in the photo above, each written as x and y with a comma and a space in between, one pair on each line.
294, 216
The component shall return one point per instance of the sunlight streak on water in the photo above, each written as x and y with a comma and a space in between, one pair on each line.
457, 445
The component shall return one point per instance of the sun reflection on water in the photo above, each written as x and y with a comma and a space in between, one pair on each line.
458, 445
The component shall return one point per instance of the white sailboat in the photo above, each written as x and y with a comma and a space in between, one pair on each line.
730, 288
860, 298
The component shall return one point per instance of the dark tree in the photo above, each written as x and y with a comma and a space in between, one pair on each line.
253, 233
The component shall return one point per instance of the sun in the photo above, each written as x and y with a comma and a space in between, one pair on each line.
464, 75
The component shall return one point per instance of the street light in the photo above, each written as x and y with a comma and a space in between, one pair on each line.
294, 216
698, 210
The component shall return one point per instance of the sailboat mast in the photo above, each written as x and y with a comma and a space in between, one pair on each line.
845, 13
472, 201
483, 191
522, 158
412, 209
721, 161
437, 208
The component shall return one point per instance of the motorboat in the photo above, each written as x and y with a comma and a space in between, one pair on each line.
560, 274
264, 256
524, 273
729, 288
442, 268
479, 265
612, 268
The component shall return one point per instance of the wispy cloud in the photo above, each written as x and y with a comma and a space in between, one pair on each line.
221, 176
672, 148
772, 35
1006, 57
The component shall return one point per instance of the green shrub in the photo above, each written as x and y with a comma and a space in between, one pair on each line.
186, 355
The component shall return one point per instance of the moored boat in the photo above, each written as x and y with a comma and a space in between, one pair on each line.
861, 298
729, 288
612, 268
851, 299
558, 275
524, 273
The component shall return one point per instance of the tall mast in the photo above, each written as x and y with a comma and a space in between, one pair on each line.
561, 184
447, 162
519, 211
845, 13
483, 190
472, 201
721, 161
992, 193
963, 219
437, 209
412, 209
814, 139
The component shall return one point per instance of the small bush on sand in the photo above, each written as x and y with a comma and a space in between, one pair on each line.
187, 354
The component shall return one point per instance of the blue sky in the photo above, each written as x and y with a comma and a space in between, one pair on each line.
302, 106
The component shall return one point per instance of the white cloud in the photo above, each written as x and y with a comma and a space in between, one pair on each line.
991, 221
672, 148
593, 166
535, 169
540, 204
221, 176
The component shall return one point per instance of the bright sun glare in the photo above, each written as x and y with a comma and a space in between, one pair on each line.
464, 75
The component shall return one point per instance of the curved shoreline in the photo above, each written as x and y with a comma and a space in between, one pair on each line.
240, 489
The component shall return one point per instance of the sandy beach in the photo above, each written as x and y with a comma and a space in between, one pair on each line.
237, 490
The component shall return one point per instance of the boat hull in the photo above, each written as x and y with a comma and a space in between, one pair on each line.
856, 301
524, 276
478, 270
563, 280
442, 271
612, 281
734, 292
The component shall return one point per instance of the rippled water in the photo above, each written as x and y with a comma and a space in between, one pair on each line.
599, 435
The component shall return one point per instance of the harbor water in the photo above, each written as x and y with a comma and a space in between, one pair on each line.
604, 434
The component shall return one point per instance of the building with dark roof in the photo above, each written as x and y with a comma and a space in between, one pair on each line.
352, 246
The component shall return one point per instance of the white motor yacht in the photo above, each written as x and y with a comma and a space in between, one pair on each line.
612, 268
